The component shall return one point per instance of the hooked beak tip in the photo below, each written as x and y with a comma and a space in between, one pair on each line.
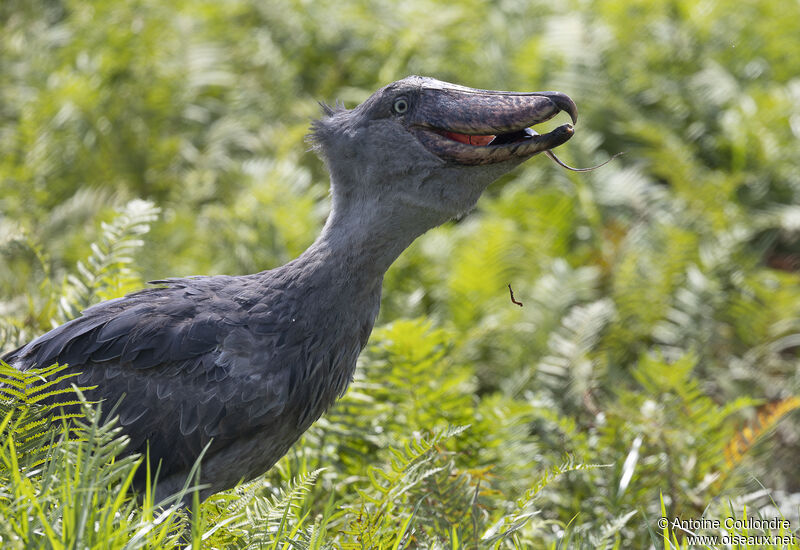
565, 103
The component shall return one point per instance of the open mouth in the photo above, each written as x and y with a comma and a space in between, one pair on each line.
480, 148
490, 139
471, 126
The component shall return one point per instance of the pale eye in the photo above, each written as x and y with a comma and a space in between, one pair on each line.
400, 105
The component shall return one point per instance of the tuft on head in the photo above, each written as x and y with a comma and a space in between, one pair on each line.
322, 127
328, 110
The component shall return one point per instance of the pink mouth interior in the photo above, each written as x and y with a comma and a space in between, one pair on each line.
468, 139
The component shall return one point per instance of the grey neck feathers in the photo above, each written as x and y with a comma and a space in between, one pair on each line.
362, 237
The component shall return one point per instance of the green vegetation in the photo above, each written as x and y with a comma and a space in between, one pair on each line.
652, 369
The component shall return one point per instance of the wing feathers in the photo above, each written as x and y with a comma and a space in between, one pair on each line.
197, 359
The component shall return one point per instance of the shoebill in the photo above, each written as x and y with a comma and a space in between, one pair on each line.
243, 365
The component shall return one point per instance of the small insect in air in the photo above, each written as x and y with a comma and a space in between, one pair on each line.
513, 301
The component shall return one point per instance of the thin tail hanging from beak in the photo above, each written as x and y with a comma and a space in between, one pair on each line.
561, 163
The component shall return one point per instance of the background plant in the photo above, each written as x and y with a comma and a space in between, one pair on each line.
659, 332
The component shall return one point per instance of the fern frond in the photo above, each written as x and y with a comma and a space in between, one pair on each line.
570, 365
107, 272
81, 208
63, 482
767, 417
269, 521
414, 469
510, 523
30, 426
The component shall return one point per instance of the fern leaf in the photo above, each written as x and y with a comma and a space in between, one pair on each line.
30, 425
279, 519
107, 272
767, 417
570, 364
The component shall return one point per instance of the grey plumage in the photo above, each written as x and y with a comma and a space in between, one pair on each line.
244, 365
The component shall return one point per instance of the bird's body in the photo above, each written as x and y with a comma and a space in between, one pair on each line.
221, 361
244, 365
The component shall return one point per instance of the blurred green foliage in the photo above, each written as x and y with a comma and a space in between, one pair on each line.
660, 292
